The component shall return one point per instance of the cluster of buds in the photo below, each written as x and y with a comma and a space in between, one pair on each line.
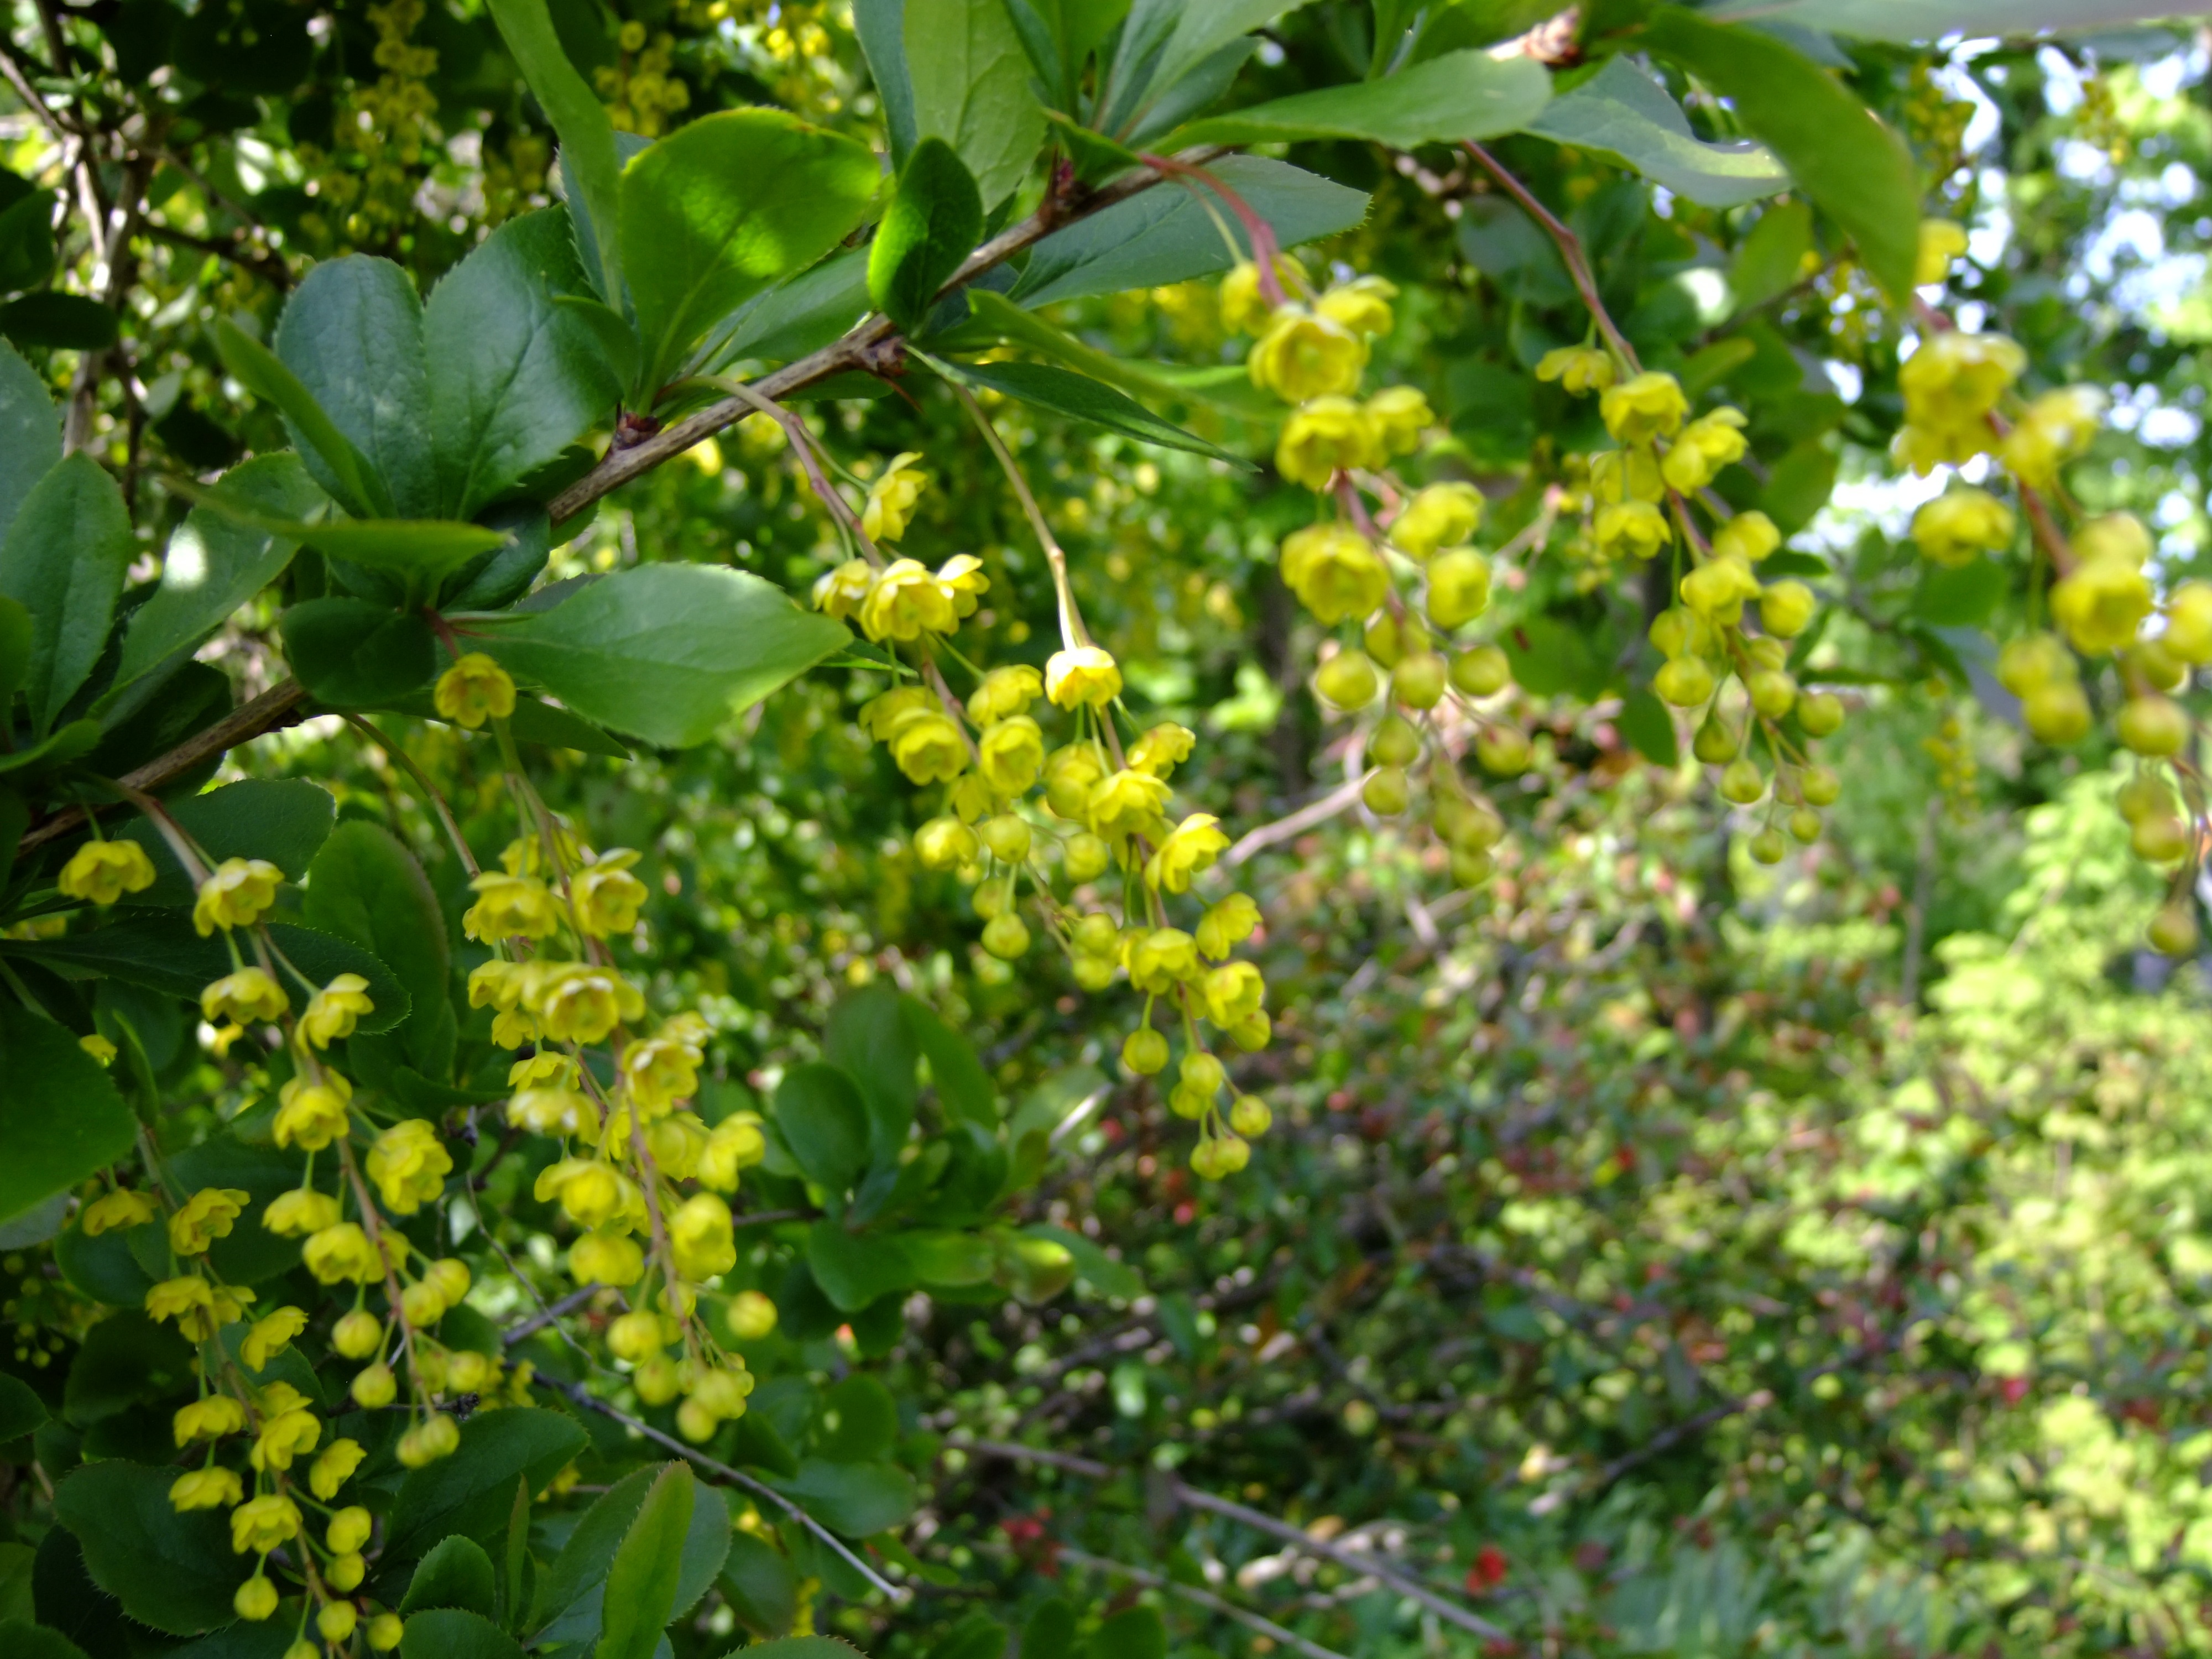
1014, 807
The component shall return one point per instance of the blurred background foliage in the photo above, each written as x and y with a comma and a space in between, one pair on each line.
1658, 1254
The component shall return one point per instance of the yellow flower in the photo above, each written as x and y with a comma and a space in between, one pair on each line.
272, 1334
1323, 435
342, 1253
1626, 475
236, 895
606, 1259
592, 1192
312, 1114
409, 1165
510, 907
577, 1002
1362, 305
839, 592
1300, 355
1705, 446
1004, 693
2114, 536
879, 714
1126, 804
735, 1144
1082, 676
1191, 846
658, 1073
473, 691
1334, 571
118, 1209
200, 1309
1960, 524
1637, 529
751, 1316
1226, 925
891, 500
2100, 606
1941, 241
97, 1047
2054, 429
334, 1468
1459, 587
1953, 381
2188, 634
677, 1143
946, 843
1233, 992
205, 1489
1160, 957
607, 895
206, 1216
260, 1524
550, 1111
700, 1237
1924, 448
1397, 416
285, 1436
246, 996
1160, 750
1442, 515
104, 871
207, 1419
513, 1029
350, 1528
333, 1011
498, 984
961, 581
929, 746
1650, 405
1580, 369
1243, 305
1069, 776
904, 601
1748, 536
1717, 589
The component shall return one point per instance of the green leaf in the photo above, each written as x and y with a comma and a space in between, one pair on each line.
640, 1589
21, 1411
1770, 261
859, 1421
610, 333
933, 222
102, 1267
1164, 236
1960, 596
1857, 170
857, 1499
963, 1087
214, 563
1461, 95
20, 1639
456, 1573
352, 332
354, 654
978, 1636
514, 1583
516, 377
855, 1272
1041, 385
1622, 112
1136, 1633
824, 1123
588, 161
801, 315
68, 322
125, 1360
1163, 42
759, 1585
470, 1492
284, 820
1050, 1632
175, 1572
1649, 729
880, 27
971, 88
948, 1256
721, 208
366, 887
65, 745
30, 433
573, 1592
160, 952
1798, 485
869, 1038
60, 1116
667, 653
1903, 21
534, 721
64, 562
26, 241
339, 466
455, 1632
798, 1647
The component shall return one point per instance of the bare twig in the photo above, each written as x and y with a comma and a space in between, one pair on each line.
1570, 246
1341, 798
547, 1315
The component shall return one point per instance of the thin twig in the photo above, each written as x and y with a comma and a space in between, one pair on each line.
1570, 246
1342, 799
549, 1312
1204, 1598
583, 1397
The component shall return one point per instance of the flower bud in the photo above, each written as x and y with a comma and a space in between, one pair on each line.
946, 843
1385, 640
1771, 692
1248, 1115
336, 1621
1717, 742
1785, 608
1385, 792
1087, 856
375, 1386
383, 1631
2172, 931
1419, 679
1145, 1052
1007, 836
1819, 713
2144, 793
1503, 750
1686, 682
2057, 713
1471, 867
2158, 838
2156, 664
2189, 623
1482, 672
1805, 825
751, 1316
1395, 743
1347, 680
2152, 725
1459, 587
1768, 846
1820, 785
357, 1334
658, 1381
345, 1572
635, 1336
1741, 781
256, 1599
1007, 936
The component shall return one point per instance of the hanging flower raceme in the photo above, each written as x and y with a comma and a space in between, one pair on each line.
102, 872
